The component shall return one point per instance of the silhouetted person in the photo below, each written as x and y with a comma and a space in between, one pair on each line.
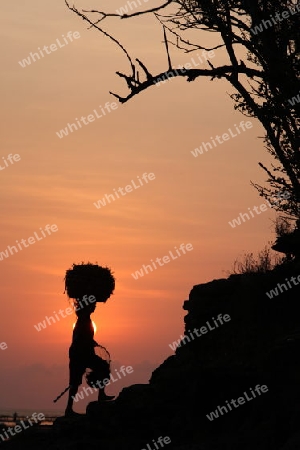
82, 356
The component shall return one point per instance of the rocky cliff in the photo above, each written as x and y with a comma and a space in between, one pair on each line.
231, 384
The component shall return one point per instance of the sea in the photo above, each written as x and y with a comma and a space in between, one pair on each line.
6, 415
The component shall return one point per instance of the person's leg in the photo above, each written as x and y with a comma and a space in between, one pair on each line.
72, 393
76, 374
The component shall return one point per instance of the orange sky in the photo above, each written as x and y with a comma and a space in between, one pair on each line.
56, 181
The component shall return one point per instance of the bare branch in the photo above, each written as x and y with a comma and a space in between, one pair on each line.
127, 16
148, 74
167, 49
84, 17
191, 75
179, 38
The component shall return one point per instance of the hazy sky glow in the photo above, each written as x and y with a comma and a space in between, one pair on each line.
56, 181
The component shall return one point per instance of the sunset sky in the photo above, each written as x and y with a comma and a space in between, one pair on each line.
57, 180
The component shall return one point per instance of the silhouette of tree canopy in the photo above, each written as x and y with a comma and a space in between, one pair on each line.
262, 42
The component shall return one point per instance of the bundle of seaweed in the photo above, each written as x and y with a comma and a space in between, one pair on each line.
89, 279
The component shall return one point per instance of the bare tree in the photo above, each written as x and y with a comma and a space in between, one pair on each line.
262, 43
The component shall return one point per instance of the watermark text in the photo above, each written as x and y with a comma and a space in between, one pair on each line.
85, 120
31, 240
259, 390
47, 50
205, 146
11, 158
123, 191
162, 261
198, 332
